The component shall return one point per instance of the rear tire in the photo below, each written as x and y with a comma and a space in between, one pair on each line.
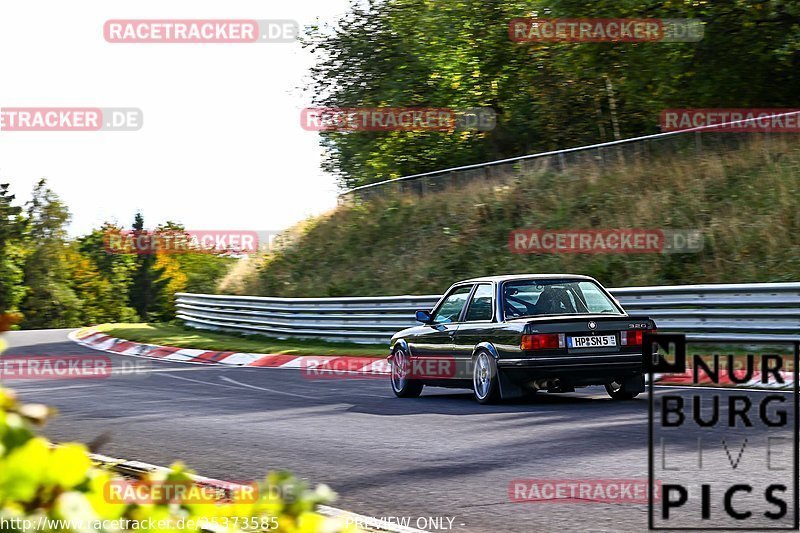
615, 389
485, 382
402, 386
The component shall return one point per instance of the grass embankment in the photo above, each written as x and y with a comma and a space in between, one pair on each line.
744, 202
182, 337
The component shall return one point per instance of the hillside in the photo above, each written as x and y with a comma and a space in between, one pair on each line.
745, 202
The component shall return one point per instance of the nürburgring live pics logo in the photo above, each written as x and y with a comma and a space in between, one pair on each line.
725, 459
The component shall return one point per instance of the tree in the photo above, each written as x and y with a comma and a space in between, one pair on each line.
100, 300
49, 301
148, 286
11, 288
458, 54
203, 269
115, 269
174, 281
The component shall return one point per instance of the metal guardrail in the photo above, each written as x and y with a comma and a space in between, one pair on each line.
737, 312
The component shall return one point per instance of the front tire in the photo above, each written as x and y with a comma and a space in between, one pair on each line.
485, 383
402, 386
615, 389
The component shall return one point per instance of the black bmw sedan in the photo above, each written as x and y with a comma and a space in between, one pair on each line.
508, 336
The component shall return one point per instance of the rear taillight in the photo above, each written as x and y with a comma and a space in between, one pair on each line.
631, 337
543, 341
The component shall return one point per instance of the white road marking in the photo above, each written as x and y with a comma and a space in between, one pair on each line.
47, 389
181, 369
201, 382
229, 380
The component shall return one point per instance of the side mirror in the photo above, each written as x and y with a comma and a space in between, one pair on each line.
424, 317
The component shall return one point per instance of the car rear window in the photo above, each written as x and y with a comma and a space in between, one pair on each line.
555, 297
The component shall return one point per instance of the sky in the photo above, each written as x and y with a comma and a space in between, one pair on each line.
220, 147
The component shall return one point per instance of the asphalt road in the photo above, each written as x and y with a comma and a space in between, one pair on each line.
441, 455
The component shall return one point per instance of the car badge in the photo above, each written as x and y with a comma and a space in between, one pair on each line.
592, 324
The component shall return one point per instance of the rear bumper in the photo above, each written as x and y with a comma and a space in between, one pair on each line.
584, 369
573, 361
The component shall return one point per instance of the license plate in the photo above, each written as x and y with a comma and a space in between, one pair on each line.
592, 342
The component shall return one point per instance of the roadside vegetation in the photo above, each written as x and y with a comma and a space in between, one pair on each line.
51, 280
48, 487
58, 488
170, 334
547, 95
744, 202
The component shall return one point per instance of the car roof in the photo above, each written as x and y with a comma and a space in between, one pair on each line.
514, 277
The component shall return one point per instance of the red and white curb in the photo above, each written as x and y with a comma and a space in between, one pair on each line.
334, 364
321, 364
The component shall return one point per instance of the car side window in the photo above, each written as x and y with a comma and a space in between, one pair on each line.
451, 308
596, 301
480, 306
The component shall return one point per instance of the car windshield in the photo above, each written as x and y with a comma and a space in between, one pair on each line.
555, 297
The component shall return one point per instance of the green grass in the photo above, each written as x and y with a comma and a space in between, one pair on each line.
166, 334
